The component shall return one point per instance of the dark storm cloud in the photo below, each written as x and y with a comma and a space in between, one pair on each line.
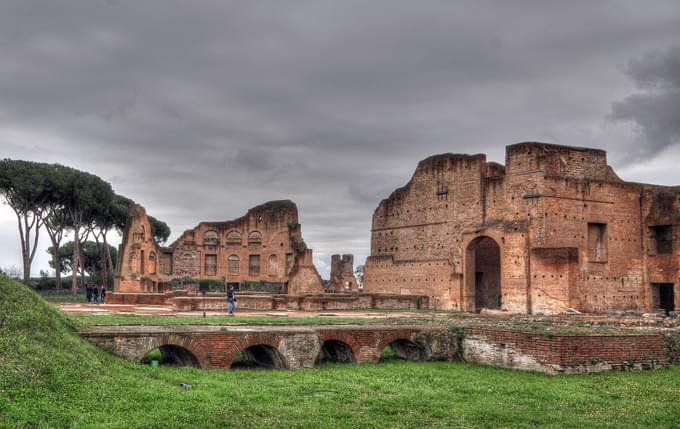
201, 109
656, 110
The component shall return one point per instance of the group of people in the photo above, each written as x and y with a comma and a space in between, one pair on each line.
95, 295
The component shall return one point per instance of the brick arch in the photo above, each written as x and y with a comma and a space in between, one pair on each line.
189, 343
390, 337
243, 342
344, 337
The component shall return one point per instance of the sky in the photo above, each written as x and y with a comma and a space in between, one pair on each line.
199, 110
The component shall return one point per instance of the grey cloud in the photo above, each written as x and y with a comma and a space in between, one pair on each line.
200, 110
655, 110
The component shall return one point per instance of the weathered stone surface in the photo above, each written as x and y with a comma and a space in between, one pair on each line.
289, 347
264, 245
342, 274
552, 229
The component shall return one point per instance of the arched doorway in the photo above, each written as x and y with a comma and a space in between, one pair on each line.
483, 274
171, 354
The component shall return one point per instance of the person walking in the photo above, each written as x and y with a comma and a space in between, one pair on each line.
231, 300
88, 293
95, 294
103, 295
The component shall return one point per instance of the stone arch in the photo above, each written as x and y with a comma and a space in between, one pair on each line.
406, 349
257, 351
176, 347
176, 355
260, 356
211, 238
482, 282
254, 238
334, 350
405, 345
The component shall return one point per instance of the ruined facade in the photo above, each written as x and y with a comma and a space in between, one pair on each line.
265, 245
342, 274
552, 229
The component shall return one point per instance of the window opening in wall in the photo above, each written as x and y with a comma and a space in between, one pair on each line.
254, 239
597, 242
442, 192
142, 263
663, 238
210, 265
254, 265
234, 238
233, 263
211, 238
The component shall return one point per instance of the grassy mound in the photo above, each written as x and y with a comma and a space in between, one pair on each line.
44, 365
49, 377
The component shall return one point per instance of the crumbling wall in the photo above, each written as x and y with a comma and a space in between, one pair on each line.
571, 233
342, 274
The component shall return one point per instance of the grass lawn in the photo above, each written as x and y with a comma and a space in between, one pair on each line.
84, 319
50, 377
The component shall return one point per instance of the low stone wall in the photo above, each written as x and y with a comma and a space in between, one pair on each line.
139, 298
182, 301
291, 347
563, 353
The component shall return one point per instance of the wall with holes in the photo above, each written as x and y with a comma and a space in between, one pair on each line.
571, 233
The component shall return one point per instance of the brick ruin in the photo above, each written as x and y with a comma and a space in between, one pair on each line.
342, 274
265, 245
553, 229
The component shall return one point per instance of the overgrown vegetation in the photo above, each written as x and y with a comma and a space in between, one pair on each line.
49, 377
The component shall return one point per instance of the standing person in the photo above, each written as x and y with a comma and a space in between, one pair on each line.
95, 294
103, 295
88, 292
231, 300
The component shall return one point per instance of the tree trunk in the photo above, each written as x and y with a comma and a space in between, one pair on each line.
76, 261
27, 269
57, 274
28, 244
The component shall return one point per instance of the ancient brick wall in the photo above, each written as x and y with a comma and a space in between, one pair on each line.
571, 234
342, 274
138, 255
290, 347
564, 353
264, 245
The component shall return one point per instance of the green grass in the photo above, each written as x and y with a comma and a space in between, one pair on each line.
84, 319
49, 377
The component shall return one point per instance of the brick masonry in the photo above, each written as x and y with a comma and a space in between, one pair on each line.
319, 302
264, 245
552, 229
299, 347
